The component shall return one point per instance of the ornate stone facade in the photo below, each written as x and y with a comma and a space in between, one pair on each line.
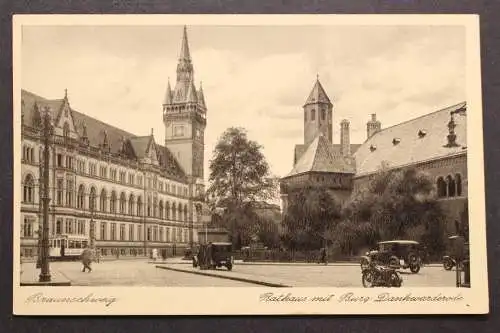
127, 191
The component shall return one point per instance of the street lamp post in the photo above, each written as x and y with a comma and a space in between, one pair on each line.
45, 270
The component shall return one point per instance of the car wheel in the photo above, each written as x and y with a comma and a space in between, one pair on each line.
229, 267
448, 265
414, 268
367, 279
414, 263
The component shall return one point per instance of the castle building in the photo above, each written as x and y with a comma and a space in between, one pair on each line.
127, 193
435, 143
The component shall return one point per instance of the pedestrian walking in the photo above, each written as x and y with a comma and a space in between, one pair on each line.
323, 256
86, 259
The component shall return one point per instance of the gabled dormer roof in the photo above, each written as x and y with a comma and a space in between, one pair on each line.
318, 94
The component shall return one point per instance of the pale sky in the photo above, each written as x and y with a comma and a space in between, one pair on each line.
257, 77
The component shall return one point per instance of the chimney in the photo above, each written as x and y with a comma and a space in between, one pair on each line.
373, 126
345, 144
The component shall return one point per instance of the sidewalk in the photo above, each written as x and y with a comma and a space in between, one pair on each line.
179, 260
30, 276
229, 275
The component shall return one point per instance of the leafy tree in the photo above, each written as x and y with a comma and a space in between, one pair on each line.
239, 176
311, 215
396, 204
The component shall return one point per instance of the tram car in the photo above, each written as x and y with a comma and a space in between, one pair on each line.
67, 247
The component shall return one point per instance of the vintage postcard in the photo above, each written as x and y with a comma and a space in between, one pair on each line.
248, 164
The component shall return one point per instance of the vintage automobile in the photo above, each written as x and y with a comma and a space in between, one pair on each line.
397, 254
214, 255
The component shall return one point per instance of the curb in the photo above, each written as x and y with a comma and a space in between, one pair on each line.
234, 278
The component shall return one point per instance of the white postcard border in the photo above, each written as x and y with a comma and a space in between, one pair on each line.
232, 301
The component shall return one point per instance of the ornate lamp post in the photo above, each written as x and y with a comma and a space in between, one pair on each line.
47, 133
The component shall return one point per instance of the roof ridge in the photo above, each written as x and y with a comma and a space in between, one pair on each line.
419, 117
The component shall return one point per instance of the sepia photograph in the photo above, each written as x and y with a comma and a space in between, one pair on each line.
311, 165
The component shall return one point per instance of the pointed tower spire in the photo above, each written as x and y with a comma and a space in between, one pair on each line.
168, 94
318, 94
184, 71
201, 96
184, 55
191, 94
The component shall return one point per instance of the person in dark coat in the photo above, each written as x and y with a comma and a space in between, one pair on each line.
323, 255
86, 259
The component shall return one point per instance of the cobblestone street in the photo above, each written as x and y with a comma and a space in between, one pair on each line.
142, 273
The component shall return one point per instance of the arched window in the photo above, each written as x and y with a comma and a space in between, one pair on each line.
180, 213
441, 187
185, 212
139, 206
167, 210
131, 204
92, 199
451, 186
174, 212
103, 200
160, 209
123, 203
305, 116
313, 115
29, 189
458, 181
112, 202
323, 114
80, 198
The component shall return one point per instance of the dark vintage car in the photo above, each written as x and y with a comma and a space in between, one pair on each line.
214, 255
397, 254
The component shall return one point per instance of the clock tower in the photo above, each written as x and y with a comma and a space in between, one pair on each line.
184, 116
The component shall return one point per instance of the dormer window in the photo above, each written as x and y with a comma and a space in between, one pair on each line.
422, 133
395, 141
373, 148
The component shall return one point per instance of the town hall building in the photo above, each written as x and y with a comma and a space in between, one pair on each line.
435, 143
125, 192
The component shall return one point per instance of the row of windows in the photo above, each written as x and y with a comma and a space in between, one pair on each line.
131, 205
122, 205
28, 154
449, 186
129, 232
313, 115
66, 161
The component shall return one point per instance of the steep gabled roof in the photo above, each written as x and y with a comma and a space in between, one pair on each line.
321, 157
300, 149
96, 130
417, 140
318, 95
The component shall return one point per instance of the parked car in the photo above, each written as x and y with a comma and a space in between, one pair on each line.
214, 255
397, 254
